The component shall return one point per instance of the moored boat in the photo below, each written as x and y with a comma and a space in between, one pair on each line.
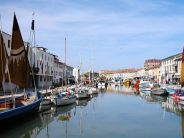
145, 85
158, 91
63, 98
16, 69
82, 93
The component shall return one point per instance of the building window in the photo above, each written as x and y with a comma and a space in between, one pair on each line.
37, 63
40, 78
8, 43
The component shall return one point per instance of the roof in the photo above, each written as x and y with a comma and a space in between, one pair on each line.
119, 71
170, 57
152, 60
154, 67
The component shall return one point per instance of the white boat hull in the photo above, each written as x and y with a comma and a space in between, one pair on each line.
82, 95
158, 91
60, 101
45, 102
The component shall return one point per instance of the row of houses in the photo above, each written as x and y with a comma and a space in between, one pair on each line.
167, 70
48, 67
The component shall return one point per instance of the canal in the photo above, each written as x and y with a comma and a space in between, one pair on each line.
116, 112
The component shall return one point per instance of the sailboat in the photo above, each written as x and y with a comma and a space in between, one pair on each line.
16, 69
64, 97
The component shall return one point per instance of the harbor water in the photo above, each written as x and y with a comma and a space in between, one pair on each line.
115, 112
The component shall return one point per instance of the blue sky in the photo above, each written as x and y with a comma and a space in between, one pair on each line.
104, 34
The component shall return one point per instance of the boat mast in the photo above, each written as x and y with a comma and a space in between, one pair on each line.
32, 41
65, 65
33, 31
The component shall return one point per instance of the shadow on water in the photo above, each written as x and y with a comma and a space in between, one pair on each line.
82, 102
32, 125
148, 97
24, 127
63, 109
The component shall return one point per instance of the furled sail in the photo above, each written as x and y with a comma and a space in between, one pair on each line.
2, 58
18, 65
182, 70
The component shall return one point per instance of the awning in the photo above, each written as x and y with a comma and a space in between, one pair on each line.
177, 76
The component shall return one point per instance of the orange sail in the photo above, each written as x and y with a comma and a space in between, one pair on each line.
2, 58
19, 67
182, 70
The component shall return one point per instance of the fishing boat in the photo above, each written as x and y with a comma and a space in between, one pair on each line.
63, 98
158, 91
16, 69
127, 82
82, 94
8, 98
101, 84
145, 85
92, 91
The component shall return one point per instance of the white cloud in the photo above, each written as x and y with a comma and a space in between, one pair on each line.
134, 25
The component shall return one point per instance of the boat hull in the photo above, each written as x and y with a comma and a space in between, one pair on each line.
14, 113
60, 101
82, 95
159, 92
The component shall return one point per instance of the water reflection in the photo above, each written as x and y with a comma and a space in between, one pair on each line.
30, 127
182, 124
120, 89
171, 106
107, 115
82, 102
63, 109
148, 97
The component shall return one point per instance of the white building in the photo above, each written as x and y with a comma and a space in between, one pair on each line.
7, 41
58, 71
47, 67
170, 70
42, 63
76, 74
141, 73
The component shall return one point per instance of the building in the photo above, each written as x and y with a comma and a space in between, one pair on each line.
46, 67
150, 63
69, 75
141, 73
171, 69
7, 41
42, 63
119, 74
154, 73
58, 71
76, 74
177, 67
